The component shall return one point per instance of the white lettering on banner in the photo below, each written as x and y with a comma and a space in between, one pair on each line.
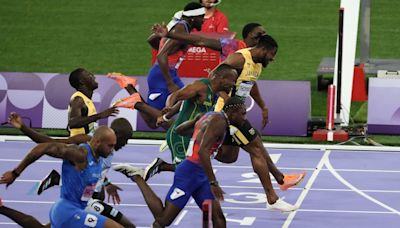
246, 221
252, 196
197, 50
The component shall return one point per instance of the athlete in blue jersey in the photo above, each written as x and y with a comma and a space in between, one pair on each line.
162, 78
123, 131
81, 170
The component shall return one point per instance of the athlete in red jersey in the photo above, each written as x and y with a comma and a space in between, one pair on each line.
194, 177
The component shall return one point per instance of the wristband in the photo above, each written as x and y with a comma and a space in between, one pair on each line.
165, 118
15, 173
215, 183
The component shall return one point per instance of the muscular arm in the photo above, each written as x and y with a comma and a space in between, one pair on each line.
15, 120
76, 120
169, 48
188, 92
42, 138
69, 152
255, 94
215, 129
173, 110
154, 41
196, 40
187, 128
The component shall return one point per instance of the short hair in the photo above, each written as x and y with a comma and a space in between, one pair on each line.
249, 28
268, 42
192, 6
233, 103
216, 2
220, 69
122, 126
74, 78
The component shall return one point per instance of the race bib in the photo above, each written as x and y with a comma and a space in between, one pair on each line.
88, 192
244, 89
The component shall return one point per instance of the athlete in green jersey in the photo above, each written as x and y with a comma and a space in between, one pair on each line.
198, 97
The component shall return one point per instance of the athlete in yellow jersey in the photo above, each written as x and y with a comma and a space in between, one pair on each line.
249, 63
82, 115
249, 73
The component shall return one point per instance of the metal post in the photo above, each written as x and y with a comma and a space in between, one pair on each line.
365, 30
339, 64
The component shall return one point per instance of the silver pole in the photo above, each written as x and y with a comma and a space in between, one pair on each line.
365, 30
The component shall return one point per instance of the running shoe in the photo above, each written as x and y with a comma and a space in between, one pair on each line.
129, 170
291, 180
128, 102
52, 179
122, 80
281, 206
152, 169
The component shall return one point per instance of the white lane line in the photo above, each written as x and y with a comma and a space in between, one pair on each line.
346, 211
341, 179
223, 207
180, 217
245, 187
229, 167
366, 170
307, 188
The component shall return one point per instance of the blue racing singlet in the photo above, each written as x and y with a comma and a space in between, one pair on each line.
78, 185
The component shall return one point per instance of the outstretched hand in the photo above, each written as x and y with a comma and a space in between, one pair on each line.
7, 178
112, 191
15, 120
113, 111
160, 30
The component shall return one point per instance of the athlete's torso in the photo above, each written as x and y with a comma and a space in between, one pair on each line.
78, 185
250, 73
88, 111
190, 108
194, 146
175, 59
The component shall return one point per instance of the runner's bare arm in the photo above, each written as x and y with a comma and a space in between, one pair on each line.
162, 31
170, 46
69, 152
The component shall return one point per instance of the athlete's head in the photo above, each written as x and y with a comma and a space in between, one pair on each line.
123, 131
194, 14
267, 48
82, 78
235, 110
103, 141
223, 78
251, 33
208, 4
